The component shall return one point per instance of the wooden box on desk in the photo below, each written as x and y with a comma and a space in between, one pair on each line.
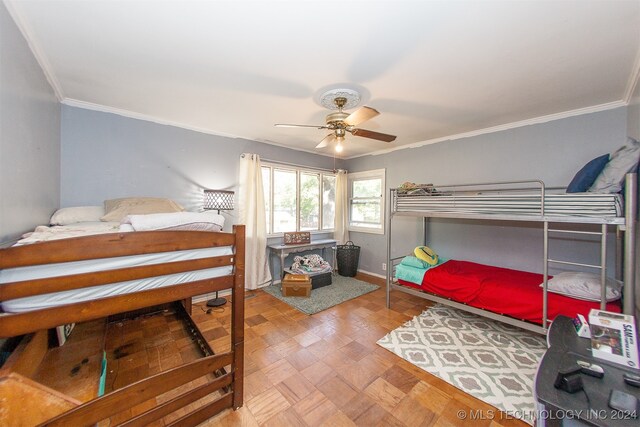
297, 238
296, 285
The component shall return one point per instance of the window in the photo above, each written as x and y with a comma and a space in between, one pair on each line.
366, 202
298, 199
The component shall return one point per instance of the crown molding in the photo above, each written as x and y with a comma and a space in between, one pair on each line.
507, 126
38, 53
139, 116
537, 120
633, 80
304, 150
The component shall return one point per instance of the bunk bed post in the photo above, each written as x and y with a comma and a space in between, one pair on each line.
390, 203
545, 273
237, 320
603, 267
425, 225
619, 254
630, 213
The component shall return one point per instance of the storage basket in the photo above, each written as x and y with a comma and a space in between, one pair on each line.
347, 257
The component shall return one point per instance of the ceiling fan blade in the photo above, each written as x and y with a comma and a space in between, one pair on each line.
362, 114
373, 135
326, 141
285, 125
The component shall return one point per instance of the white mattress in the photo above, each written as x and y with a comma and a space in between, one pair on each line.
575, 204
102, 291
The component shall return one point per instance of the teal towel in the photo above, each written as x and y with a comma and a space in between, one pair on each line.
410, 274
411, 261
103, 374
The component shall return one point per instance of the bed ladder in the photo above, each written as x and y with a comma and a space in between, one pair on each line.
602, 267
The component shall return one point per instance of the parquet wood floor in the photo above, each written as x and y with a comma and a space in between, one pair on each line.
327, 370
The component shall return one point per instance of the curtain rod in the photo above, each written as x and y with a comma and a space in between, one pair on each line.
278, 162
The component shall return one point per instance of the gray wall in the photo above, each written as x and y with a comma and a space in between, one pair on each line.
551, 151
29, 137
107, 156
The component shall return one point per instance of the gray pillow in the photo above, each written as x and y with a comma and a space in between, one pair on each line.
585, 286
623, 160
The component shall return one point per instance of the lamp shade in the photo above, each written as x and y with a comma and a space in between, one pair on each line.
218, 199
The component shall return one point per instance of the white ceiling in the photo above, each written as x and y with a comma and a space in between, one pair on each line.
433, 69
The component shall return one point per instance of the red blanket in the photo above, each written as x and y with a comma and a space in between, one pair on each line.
515, 293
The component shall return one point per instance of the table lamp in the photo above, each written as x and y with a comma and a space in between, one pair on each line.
220, 200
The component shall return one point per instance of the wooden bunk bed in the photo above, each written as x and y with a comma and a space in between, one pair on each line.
526, 201
223, 372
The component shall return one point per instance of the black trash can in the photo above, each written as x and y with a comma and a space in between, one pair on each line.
347, 257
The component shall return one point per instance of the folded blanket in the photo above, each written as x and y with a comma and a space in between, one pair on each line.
410, 274
411, 261
412, 269
43, 233
197, 221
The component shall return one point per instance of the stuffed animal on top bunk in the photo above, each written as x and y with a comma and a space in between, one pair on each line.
412, 189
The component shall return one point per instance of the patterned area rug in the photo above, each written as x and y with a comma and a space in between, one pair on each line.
342, 289
489, 360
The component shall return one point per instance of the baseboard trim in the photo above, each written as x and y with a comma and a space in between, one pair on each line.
370, 278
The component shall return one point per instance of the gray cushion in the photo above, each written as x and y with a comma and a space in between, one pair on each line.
623, 160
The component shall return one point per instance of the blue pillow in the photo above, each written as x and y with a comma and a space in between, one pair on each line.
586, 176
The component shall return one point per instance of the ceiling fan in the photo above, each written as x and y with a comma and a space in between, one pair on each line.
340, 122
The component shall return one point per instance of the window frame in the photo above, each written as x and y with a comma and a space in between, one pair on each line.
299, 170
361, 176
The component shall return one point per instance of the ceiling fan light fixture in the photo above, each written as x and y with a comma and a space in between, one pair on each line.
341, 122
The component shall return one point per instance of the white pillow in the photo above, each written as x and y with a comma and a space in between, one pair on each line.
66, 216
585, 286
623, 160
116, 209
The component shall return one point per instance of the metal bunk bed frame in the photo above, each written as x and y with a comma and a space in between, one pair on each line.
625, 266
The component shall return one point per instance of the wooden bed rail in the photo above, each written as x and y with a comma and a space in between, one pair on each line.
127, 397
23, 323
77, 281
111, 245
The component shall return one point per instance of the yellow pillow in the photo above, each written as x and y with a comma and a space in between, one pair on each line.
426, 254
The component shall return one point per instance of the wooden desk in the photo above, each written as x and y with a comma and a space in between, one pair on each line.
282, 251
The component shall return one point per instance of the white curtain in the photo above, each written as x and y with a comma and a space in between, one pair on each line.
253, 216
341, 224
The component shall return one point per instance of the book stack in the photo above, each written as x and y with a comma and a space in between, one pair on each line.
296, 285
